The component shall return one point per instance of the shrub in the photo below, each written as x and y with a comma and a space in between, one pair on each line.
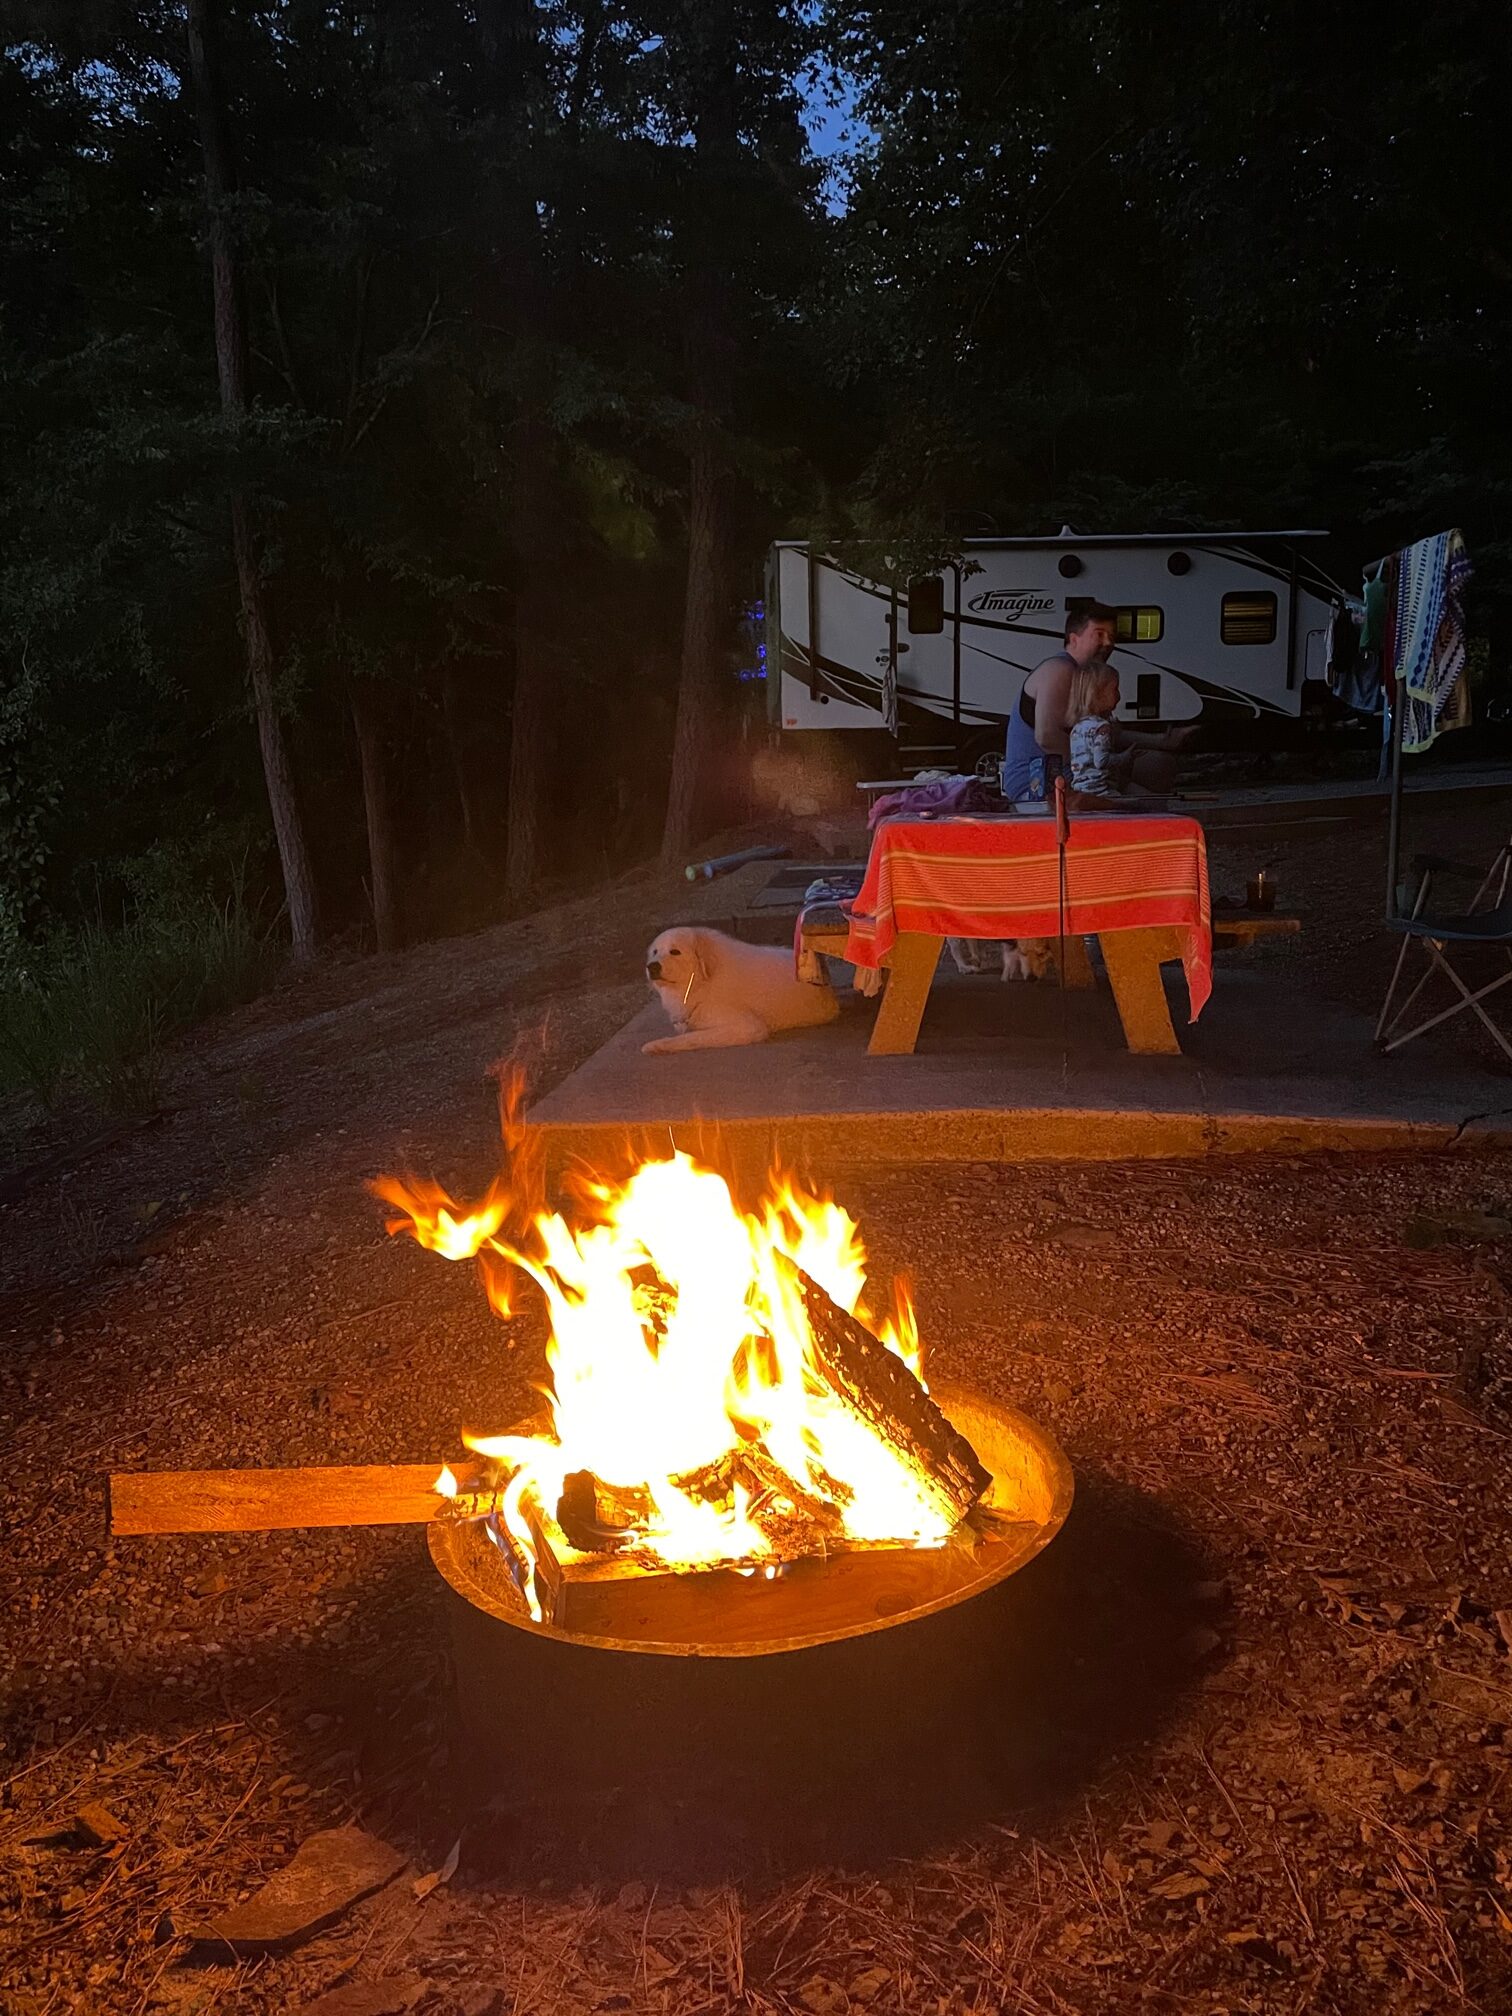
91, 1009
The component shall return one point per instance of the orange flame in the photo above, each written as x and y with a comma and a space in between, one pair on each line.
679, 1340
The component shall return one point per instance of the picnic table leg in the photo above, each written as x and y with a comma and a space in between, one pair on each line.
1133, 962
911, 965
1078, 966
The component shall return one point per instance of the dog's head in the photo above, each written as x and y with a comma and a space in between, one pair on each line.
1037, 955
677, 958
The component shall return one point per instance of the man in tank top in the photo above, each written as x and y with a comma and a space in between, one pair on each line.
1038, 744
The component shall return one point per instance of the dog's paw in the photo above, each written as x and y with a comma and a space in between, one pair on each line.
656, 1046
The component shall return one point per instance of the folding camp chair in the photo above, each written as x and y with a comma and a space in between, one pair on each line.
1482, 922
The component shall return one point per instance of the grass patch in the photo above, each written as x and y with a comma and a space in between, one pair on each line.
90, 1010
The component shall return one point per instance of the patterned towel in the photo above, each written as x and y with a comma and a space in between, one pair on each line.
828, 901
1430, 637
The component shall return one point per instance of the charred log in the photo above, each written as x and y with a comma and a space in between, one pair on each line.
874, 1381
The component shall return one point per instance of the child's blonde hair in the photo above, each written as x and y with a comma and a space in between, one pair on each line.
1086, 681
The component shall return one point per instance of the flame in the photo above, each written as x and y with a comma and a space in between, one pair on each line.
427, 1214
445, 1485
680, 1351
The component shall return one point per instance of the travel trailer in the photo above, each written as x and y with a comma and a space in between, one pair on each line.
1229, 629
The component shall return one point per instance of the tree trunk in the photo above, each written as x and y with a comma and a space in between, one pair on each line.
231, 369
512, 48
706, 623
453, 715
706, 606
384, 884
529, 747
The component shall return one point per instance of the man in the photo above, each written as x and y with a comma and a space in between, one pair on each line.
1038, 736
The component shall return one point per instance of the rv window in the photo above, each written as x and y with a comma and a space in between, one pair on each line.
1135, 625
1249, 619
1141, 626
926, 606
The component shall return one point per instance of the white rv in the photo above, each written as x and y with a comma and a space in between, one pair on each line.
1228, 628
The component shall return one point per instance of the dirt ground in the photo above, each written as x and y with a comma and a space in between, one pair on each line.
1241, 1740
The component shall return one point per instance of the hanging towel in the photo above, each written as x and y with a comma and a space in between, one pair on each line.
1375, 597
1359, 684
1429, 641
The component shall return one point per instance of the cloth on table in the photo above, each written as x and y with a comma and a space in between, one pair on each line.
975, 879
827, 901
944, 798
1429, 645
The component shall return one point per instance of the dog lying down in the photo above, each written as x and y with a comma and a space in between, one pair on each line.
720, 993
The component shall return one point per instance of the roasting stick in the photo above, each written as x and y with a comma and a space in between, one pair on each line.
267, 1501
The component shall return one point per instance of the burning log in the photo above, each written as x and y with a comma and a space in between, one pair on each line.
265, 1501
631, 1596
778, 1499
594, 1579
879, 1386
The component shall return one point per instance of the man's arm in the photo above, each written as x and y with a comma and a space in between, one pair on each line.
1170, 740
1050, 698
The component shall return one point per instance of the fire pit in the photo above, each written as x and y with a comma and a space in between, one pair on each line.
741, 1470
858, 1686
684, 1574
815, 1601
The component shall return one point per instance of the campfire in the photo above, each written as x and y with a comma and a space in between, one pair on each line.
736, 1454
726, 1394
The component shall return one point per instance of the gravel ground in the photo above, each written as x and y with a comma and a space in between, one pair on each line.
1251, 1747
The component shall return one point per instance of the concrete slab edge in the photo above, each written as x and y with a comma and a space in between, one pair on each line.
1011, 1135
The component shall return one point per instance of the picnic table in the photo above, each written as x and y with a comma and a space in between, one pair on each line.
1136, 882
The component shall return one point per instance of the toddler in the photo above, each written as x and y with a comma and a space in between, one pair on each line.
1098, 767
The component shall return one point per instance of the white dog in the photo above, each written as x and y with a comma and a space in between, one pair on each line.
720, 992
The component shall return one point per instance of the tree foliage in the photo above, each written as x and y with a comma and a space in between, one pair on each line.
551, 332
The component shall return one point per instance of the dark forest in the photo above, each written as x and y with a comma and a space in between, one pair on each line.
399, 398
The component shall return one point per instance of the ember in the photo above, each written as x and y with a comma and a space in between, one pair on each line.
725, 1392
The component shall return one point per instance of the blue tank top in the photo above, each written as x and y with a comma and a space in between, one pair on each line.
1025, 765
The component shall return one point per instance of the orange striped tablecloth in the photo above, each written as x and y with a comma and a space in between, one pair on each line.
1000, 878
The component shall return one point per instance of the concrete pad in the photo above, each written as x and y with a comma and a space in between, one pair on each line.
1338, 799
1023, 1072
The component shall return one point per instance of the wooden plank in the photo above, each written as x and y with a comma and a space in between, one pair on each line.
1133, 962
827, 938
1234, 929
911, 966
633, 1595
266, 1501
820, 1594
